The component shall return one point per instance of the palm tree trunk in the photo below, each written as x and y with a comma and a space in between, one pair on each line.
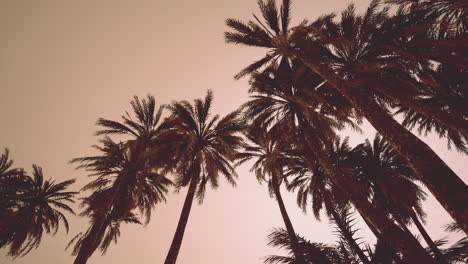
179, 234
407, 244
94, 236
443, 183
349, 237
91, 242
287, 222
427, 238
444, 118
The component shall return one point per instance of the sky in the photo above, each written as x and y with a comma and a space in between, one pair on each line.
64, 64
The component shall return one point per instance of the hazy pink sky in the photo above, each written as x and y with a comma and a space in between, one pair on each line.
63, 64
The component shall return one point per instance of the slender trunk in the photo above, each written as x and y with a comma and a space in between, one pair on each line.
443, 183
349, 237
427, 238
441, 117
91, 242
287, 221
94, 236
407, 244
179, 234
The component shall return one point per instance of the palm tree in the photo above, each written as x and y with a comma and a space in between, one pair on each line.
305, 44
33, 206
271, 158
130, 175
203, 149
310, 181
390, 180
288, 107
363, 48
313, 252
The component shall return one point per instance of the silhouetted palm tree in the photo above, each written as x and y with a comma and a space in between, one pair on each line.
305, 43
271, 158
390, 180
289, 108
203, 149
130, 176
31, 207
363, 49
371, 48
312, 184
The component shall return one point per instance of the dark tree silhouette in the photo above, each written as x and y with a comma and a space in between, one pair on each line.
130, 175
287, 107
30, 206
203, 150
305, 43
312, 184
271, 158
391, 187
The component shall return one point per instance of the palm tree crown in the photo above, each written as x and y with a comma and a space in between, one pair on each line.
33, 206
203, 149
130, 176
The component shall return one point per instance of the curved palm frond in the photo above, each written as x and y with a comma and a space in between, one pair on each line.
314, 252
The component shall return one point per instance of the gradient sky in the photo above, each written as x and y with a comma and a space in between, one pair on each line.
63, 64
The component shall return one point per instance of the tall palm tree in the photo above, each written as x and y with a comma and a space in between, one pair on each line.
130, 175
203, 149
288, 108
372, 48
363, 48
305, 44
271, 158
310, 181
33, 206
390, 180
